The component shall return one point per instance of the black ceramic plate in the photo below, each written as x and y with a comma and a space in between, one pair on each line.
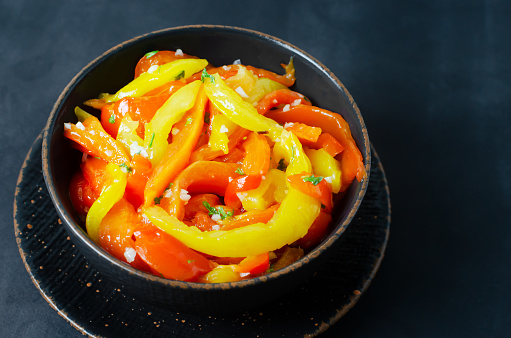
98, 307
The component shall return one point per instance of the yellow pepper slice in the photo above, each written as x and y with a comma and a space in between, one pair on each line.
272, 189
262, 87
290, 149
150, 80
221, 128
237, 110
111, 194
158, 129
323, 164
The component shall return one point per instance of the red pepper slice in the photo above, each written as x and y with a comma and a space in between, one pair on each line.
94, 171
254, 265
140, 170
81, 193
320, 191
115, 234
306, 134
257, 154
278, 97
168, 257
327, 142
97, 142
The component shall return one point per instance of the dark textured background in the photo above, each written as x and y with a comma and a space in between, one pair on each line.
433, 82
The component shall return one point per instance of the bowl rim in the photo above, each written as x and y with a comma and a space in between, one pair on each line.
77, 231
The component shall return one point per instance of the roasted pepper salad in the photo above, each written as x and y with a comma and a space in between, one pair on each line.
209, 174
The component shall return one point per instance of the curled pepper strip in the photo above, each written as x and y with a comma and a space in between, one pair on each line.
291, 221
232, 106
111, 194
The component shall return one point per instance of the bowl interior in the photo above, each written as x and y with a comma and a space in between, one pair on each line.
219, 45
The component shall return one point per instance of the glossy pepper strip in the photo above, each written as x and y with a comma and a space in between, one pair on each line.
177, 154
278, 97
203, 177
257, 155
111, 194
319, 189
157, 131
237, 110
291, 222
150, 80
287, 80
352, 164
96, 141
324, 164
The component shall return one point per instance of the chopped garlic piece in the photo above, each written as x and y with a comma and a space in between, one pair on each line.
168, 193
288, 125
67, 126
328, 179
216, 226
184, 196
216, 218
275, 101
223, 129
237, 62
241, 92
108, 152
296, 102
286, 107
179, 52
152, 69
175, 131
130, 254
80, 125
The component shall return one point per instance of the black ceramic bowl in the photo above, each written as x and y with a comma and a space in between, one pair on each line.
219, 45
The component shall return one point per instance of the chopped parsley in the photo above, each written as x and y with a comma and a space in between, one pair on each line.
313, 179
207, 118
282, 166
111, 119
306, 99
148, 55
323, 206
152, 139
205, 75
217, 211
188, 121
126, 168
157, 200
240, 171
191, 261
180, 75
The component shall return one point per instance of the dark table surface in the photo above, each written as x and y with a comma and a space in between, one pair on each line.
433, 82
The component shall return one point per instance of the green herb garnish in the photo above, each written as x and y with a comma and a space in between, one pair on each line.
217, 211
240, 171
206, 118
148, 55
111, 119
181, 76
313, 179
152, 139
191, 261
188, 121
126, 168
205, 75
157, 200
282, 166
